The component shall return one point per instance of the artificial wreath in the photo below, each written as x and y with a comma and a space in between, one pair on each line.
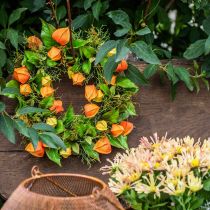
40, 116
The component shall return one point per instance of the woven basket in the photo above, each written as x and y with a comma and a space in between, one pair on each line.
62, 192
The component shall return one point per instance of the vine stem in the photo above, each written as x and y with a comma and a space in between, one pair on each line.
50, 2
147, 7
70, 23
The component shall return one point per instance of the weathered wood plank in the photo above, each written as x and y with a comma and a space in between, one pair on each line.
189, 114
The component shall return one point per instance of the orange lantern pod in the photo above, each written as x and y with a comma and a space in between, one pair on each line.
46, 91
113, 80
21, 74
90, 92
34, 43
57, 106
103, 146
128, 127
117, 130
38, 152
91, 110
122, 66
25, 89
61, 35
54, 54
99, 96
77, 78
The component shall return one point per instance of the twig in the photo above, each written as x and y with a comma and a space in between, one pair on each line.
147, 8
69, 20
169, 5
50, 2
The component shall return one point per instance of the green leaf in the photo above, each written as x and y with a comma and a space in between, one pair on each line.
33, 57
77, 43
206, 82
126, 83
88, 3
75, 147
61, 12
198, 202
30, 110
3, 58
3, 16
69, 115
144, 51
33, 135
10, 90
82, 20
135, 75
171, 74
207, 46
184, 75
46, 34
54, 156
104, 49
55, 139
2, 46
47, 102
150, 70
111, 116
105, 89
109, 68
121, 18
120, 142
86, 67
46, 139
195, 50
7, 128
121, 51
60, 128
143, 31
21, 127
43, 127
206, 25
88, 149
206, 185
96, 8
2, 106
12, 35
15, 15
51, 63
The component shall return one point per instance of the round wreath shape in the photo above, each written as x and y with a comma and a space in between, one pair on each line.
40, 116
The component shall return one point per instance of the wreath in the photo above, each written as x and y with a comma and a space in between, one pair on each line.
40, 117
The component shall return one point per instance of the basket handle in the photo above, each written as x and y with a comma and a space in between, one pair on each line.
97, 194
35, 171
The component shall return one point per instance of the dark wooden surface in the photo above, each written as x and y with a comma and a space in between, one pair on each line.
189, 114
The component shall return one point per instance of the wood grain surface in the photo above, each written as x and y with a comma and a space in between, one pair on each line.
189, 114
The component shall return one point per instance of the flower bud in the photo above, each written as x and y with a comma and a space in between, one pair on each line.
91, 110
122, 66
77, 78
90, 92
61, 35
52, 121
38, 152
34, 43
65, 153
103, 146
101, 125
21, 74
46, 91
117, 130
54, 54
57, 106
99, 96
25, 89
128, 127
46, 81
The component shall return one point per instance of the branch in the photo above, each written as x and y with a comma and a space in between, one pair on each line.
169, 5
147, 8
50, 2
70, 22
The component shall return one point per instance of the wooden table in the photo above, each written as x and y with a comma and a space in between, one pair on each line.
189, 114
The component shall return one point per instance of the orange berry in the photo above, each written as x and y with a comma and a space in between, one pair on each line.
38, 152
25, 89
77, 78
103, 146
57, 106
21, 74
91, 110
61, 35
54, 54
117, 130
46, 91
34, 43
90, 92
128, 127
122, 66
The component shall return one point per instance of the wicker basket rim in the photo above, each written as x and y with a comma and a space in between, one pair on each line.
23, 183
